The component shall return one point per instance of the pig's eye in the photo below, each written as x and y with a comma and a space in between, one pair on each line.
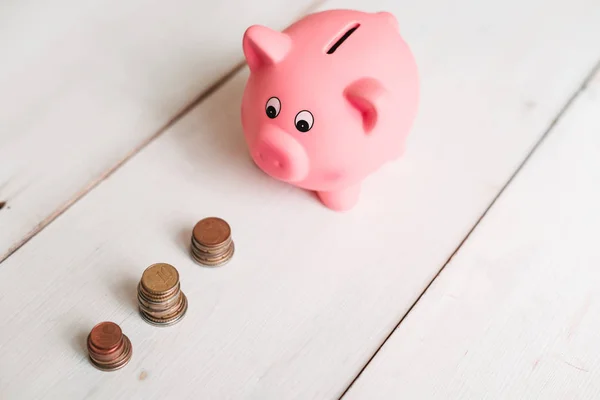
273, 107
304, 121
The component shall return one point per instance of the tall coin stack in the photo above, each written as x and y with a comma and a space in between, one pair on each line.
160, 299
211, 242
108, 348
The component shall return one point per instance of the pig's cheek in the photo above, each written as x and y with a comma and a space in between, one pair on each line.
250, 122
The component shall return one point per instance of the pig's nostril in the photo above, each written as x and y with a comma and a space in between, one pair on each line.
280, 156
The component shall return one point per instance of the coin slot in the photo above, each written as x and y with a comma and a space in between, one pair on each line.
342, 39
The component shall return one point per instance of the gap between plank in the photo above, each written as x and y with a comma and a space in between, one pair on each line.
78, 196
582, 87
94, 183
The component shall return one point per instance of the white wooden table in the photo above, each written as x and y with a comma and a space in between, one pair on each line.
474, 274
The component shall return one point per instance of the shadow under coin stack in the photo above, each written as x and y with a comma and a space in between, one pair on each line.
108, 348
161, 301
212, 245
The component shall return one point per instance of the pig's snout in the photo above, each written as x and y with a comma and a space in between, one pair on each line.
280, 155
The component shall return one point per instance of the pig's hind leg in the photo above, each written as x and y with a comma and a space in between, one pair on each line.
341, 200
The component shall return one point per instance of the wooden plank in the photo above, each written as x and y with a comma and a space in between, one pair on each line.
296, 314
86, 83
516, 313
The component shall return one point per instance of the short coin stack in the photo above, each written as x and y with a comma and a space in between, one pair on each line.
108, 348
211, 242
160, 299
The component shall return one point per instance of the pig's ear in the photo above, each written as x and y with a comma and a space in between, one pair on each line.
389, 18
264, 46
367, 95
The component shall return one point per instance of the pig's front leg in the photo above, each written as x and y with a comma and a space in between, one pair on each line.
341, 200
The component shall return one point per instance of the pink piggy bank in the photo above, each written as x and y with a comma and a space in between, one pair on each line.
329, 100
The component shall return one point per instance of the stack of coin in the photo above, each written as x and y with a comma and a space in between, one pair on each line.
211, 242
108, 348
160, 299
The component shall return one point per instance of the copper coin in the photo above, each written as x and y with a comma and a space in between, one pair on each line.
158, 297
176, 316
102, 353
106, 335
213, 256
119, 362
211, 249
166, 312
156, 302
159, 308
211, 231
160, 277
213, 261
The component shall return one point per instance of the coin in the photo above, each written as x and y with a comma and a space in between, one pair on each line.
108, 348
214, 261
160, 277
154, 297
211, 242
106, 335
168, 321
160, 299
211, 231
119, 362
213, 249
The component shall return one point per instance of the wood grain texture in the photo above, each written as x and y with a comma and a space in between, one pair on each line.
516, 313
86, 83
296, 314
